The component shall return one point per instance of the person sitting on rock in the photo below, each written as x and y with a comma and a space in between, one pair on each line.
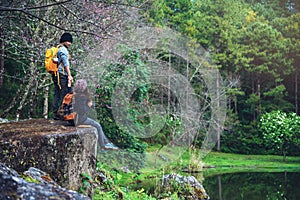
81, 106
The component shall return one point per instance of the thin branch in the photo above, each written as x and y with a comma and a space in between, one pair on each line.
49, 23
32, 8
59, 27
6, 9
49, 5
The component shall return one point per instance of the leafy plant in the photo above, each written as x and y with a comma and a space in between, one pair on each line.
280, 130
86, 181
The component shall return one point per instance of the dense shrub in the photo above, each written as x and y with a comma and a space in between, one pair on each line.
280, 132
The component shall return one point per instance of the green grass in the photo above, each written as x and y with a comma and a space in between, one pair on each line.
221, 163
257, 161
230, 161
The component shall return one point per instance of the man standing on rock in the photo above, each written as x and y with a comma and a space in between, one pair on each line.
64, 79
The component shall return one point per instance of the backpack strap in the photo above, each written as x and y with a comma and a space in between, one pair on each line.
58, 81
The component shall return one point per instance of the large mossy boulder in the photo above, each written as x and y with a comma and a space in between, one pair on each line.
187, 186
13, 186
63, 151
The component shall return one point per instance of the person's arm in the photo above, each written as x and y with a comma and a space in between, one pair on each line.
70, 77
66, 64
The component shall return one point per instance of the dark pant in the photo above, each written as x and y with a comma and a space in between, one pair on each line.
59, 93
102, 139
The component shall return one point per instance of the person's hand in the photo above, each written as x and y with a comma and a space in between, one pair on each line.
90, 104
70, 78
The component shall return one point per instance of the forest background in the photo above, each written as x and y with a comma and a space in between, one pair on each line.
254, 44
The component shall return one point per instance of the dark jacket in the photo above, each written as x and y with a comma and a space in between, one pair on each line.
81, 107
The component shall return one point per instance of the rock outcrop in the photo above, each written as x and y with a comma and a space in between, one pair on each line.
64, 152
198, 192
12, 186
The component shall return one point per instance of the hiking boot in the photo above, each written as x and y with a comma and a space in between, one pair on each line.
110, 146
56, 116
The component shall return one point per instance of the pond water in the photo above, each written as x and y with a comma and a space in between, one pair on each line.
254, 186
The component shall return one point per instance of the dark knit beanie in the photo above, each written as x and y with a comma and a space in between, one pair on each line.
66, 37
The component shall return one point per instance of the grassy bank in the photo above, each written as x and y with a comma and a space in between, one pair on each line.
218, 159
216, 163
224, 162
231, 163
137, 186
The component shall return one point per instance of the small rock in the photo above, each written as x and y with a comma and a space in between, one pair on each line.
101, 177
125, 169
40, 176
7, 171
4, 120
162, 157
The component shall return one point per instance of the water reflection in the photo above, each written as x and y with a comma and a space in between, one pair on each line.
254, 186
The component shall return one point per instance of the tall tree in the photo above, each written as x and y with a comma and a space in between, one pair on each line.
268, 66
289, 27
29, 27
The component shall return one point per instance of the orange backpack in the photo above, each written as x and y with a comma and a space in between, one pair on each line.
66, 111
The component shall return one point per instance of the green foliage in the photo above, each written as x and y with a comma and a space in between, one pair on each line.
86, 186
178, 191
277, 97
243, 139
280, 130
254, 42
111, 188
30, 179
130, 74
166, 134
10, 86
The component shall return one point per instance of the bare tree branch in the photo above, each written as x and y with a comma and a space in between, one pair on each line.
59, 27
5, 9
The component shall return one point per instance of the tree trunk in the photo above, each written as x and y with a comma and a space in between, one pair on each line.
229, 97
26, 90
217, 120
46, 99
296, 92
1, 62
235, 105
253, 92
32, 98
235, 96
284, 156
187, 87
13, 102
220, 187
259, 97
187, 96
284, 151
169, 86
